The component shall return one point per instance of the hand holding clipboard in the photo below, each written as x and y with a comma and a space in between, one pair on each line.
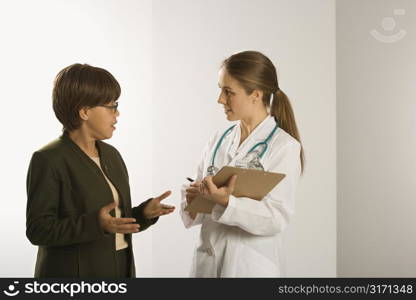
251, 183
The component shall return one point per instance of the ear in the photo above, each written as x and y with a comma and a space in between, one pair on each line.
257, 96
84, 113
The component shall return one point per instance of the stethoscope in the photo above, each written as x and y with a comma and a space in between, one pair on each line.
211, 170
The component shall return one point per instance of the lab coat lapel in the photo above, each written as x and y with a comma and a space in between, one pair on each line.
258, 135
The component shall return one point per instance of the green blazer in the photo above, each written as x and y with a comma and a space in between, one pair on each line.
65, 191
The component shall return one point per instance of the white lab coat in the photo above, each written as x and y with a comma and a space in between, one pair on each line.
244, 239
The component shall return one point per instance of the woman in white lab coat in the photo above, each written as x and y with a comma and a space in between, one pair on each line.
242, 237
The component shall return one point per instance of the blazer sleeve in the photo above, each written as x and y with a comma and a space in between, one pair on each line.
270, 215
44, 226
137, 213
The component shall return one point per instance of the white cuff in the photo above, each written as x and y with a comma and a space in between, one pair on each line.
223, 214
186, 218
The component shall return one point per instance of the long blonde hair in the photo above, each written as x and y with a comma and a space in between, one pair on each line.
255, 71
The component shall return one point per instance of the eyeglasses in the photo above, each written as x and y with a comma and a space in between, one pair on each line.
113, 107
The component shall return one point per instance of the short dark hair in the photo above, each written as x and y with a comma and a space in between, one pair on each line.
78, 86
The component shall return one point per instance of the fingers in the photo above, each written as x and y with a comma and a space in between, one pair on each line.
127, 228
203, 188
161, 212
195, 184
121, 225
121, 221
231, 183
127, 231
164, 206
163, 196
210, 184
166, 211
193, 190
190, 198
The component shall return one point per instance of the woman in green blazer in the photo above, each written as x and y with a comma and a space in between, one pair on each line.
79, 210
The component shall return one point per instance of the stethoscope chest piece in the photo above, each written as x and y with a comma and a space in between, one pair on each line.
250, 161
212, 170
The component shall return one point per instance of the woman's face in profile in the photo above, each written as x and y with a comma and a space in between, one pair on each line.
237, 104
101, 121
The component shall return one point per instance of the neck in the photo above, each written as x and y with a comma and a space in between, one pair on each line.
84, 141
249, 124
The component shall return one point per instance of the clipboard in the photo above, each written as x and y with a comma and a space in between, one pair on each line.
251, 183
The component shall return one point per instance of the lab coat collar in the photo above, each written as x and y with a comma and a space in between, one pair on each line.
260, 132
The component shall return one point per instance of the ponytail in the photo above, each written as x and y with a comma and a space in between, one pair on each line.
253, 70
282, 111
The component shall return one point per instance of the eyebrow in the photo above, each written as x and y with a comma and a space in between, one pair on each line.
224, 87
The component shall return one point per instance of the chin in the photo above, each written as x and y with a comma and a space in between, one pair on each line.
232, 118
106, 136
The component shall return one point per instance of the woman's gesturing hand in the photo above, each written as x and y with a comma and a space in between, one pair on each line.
155, 209
116, 225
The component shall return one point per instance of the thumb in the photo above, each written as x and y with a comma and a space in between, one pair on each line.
109, 207
231, 183
210, 184
163, 196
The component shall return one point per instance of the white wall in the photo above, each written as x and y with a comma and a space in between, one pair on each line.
167, 63
190, 39
38, 38
376, 139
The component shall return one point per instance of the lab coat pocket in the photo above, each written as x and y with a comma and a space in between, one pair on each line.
204, 264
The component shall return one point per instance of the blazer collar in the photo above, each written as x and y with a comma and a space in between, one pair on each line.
68, 141
104, 161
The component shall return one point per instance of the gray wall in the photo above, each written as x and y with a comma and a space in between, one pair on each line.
376, 138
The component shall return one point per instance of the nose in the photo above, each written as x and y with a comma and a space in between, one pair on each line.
221, 98
117, 113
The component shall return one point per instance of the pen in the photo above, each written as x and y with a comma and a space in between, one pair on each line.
190, 179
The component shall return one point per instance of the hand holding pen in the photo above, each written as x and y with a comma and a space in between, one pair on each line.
193, 190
